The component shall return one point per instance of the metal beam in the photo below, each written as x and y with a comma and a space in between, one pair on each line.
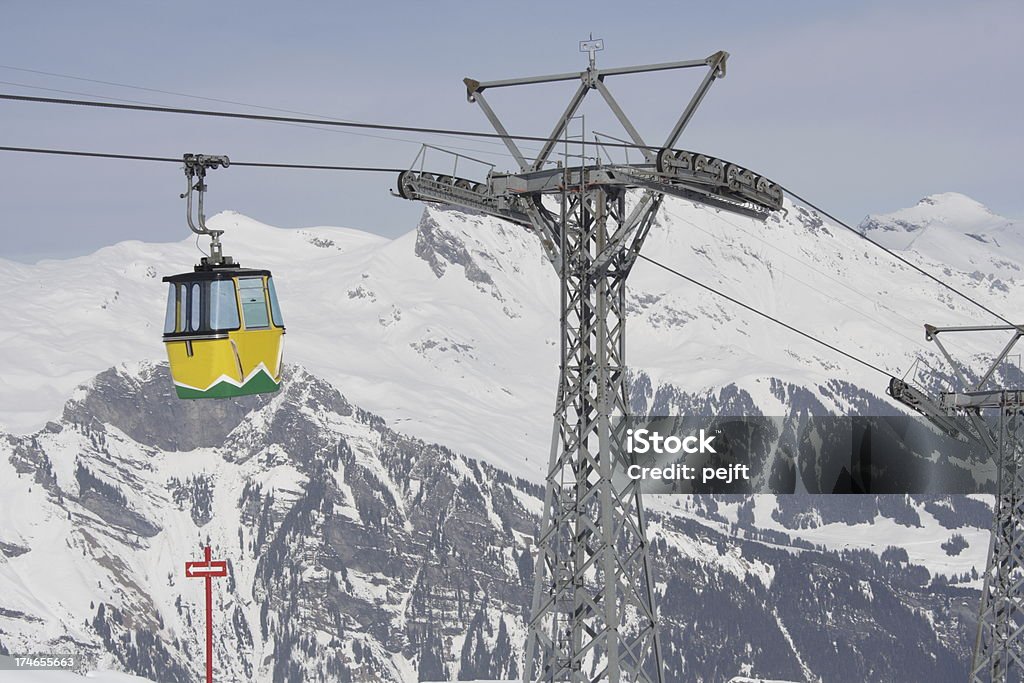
554, 78
647, 68
933, 330
643, 212
1000, 398
500, 129
563, 121
998, 360
624, 120
716, 62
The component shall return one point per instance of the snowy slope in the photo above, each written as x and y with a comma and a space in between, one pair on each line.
453, 325
924, 539
352, 548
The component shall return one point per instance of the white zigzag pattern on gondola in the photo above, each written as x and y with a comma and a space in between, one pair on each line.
232, 381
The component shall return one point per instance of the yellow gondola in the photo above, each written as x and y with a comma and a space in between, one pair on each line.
223, 328
224, 332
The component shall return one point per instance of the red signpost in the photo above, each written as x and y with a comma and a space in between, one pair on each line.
207, 569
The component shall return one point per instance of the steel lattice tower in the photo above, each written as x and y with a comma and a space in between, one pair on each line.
593, 589
999, 650
994, 418
593, 613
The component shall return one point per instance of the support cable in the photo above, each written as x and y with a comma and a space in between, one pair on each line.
896, 256
495, 153
177, 160
98, 104
803, 264
773, 319
311, 126
441, 131
174, 93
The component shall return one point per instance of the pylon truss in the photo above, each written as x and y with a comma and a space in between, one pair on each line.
593, 613
993, 417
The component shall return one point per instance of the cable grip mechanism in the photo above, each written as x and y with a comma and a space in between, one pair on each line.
196, 166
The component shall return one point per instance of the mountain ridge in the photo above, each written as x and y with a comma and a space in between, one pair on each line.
355, 550
455, 322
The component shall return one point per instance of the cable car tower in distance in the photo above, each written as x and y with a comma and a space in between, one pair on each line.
984, 411
593, 614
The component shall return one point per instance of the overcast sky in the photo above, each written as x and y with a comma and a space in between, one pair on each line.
862, 107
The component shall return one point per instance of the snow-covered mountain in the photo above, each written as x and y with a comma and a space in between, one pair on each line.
358, 546
453, 326
963, 234
357, 553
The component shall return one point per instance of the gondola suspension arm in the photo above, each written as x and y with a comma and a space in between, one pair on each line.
196, 166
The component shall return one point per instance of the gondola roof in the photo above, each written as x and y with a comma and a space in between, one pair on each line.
206, 272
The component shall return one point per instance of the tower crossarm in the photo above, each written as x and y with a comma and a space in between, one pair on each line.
719, 197
959, 413
518, 197
593, 79
978, 400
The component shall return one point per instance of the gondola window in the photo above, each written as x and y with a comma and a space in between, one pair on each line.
254, 302
223, 306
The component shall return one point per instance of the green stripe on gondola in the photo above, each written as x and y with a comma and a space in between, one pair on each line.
260, 383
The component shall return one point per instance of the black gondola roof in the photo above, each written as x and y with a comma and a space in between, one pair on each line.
204, 272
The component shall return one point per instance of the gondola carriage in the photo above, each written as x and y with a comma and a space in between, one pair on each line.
223, 327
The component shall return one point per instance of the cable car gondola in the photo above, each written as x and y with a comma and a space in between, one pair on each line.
223, 328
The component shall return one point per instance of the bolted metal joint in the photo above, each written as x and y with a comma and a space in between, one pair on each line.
717, 63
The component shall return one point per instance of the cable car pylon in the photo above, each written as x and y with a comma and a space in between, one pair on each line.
593, 613
980, 411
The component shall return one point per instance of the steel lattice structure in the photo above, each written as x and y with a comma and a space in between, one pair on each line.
993, 417
593, 614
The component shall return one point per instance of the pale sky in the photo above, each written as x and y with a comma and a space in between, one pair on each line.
861, 107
